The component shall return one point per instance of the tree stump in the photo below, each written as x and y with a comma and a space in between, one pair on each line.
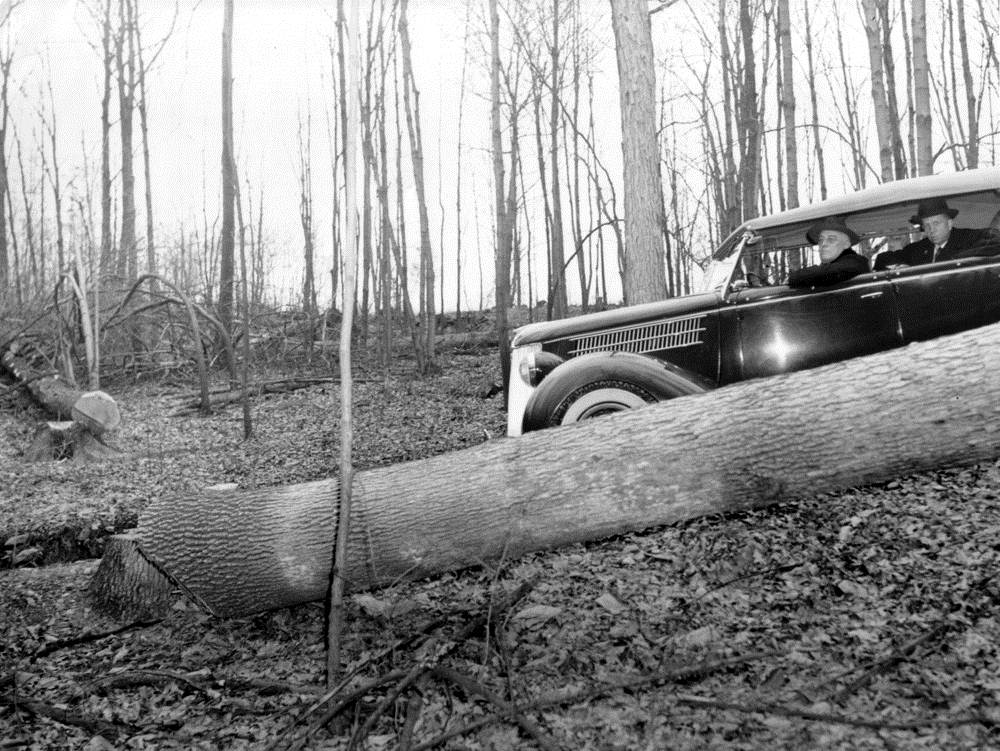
58, 441
127, 586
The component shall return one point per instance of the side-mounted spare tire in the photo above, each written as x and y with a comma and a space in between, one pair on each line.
600, 383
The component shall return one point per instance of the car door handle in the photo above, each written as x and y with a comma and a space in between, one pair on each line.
871, 295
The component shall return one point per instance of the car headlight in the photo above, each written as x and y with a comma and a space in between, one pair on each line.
534, 366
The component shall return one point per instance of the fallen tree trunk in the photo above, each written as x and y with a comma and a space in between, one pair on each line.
94, 410
865, 420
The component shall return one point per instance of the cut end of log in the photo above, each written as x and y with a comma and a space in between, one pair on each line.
97, 412
127, 586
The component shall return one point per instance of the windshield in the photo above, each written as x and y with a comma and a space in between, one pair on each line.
720, 270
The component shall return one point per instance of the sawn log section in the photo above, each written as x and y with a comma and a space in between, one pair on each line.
756, 443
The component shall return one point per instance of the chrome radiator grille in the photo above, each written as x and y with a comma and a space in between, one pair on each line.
647, 337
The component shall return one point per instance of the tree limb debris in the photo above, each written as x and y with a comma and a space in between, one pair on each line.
902, 653
91, 636
432, 650
808, 714
509, 710
279, 386
95, 725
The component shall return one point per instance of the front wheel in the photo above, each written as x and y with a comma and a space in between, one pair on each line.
598, 399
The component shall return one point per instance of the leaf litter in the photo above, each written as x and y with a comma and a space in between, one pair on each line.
864, 619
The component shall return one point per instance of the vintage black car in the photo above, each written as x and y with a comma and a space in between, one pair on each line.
749, 323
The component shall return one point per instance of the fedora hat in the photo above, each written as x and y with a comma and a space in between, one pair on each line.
835, 223
932, 207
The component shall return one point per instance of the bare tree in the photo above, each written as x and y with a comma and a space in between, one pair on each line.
814, 104
125, 65
335, 611
305, 216
227, 239
6, 60
921, 90
503, 222
644, 279
557, 285
880, 101
411, 105
788, 104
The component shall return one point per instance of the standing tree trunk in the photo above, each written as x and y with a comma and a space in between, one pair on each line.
6, 60
644, 279
504, 235
125, 63
814, 106
557, 284
750, 130
971, 100
227, 238
344, 498
107, 252
788, 104
266, 548
305, 217
879, 100
922, 90
412, 110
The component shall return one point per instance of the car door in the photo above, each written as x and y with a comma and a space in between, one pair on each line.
945, 298
783, 329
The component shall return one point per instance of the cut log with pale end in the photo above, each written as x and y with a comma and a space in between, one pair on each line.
756, 443
94, 410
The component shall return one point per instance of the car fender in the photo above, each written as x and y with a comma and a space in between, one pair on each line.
660, 379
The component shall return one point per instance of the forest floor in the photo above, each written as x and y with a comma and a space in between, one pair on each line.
867, 619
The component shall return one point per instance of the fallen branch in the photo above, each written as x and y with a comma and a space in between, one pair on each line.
507, 709
808, 714
897, 656
136, 678
229, 396
95, 725
434, 652
403, 679
92, 636
592, 692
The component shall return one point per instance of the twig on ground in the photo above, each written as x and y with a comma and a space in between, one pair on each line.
896, 656
889, 661
95, 725
91, 636
592, 692
433, 653
333, 712
507, 709
329, 695
807, 714
133, 678
413, 707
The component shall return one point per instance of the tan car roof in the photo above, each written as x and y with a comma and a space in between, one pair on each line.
886, 208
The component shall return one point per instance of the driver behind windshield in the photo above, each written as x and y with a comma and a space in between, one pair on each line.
833, 239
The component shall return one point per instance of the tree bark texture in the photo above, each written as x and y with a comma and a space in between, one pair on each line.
788, 103
921, 90
879, 99
644, 279
753, 444
227, 236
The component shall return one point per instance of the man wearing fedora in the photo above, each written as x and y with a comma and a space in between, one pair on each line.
833, 238
942, 240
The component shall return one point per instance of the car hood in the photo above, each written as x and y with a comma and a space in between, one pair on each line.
677, 306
